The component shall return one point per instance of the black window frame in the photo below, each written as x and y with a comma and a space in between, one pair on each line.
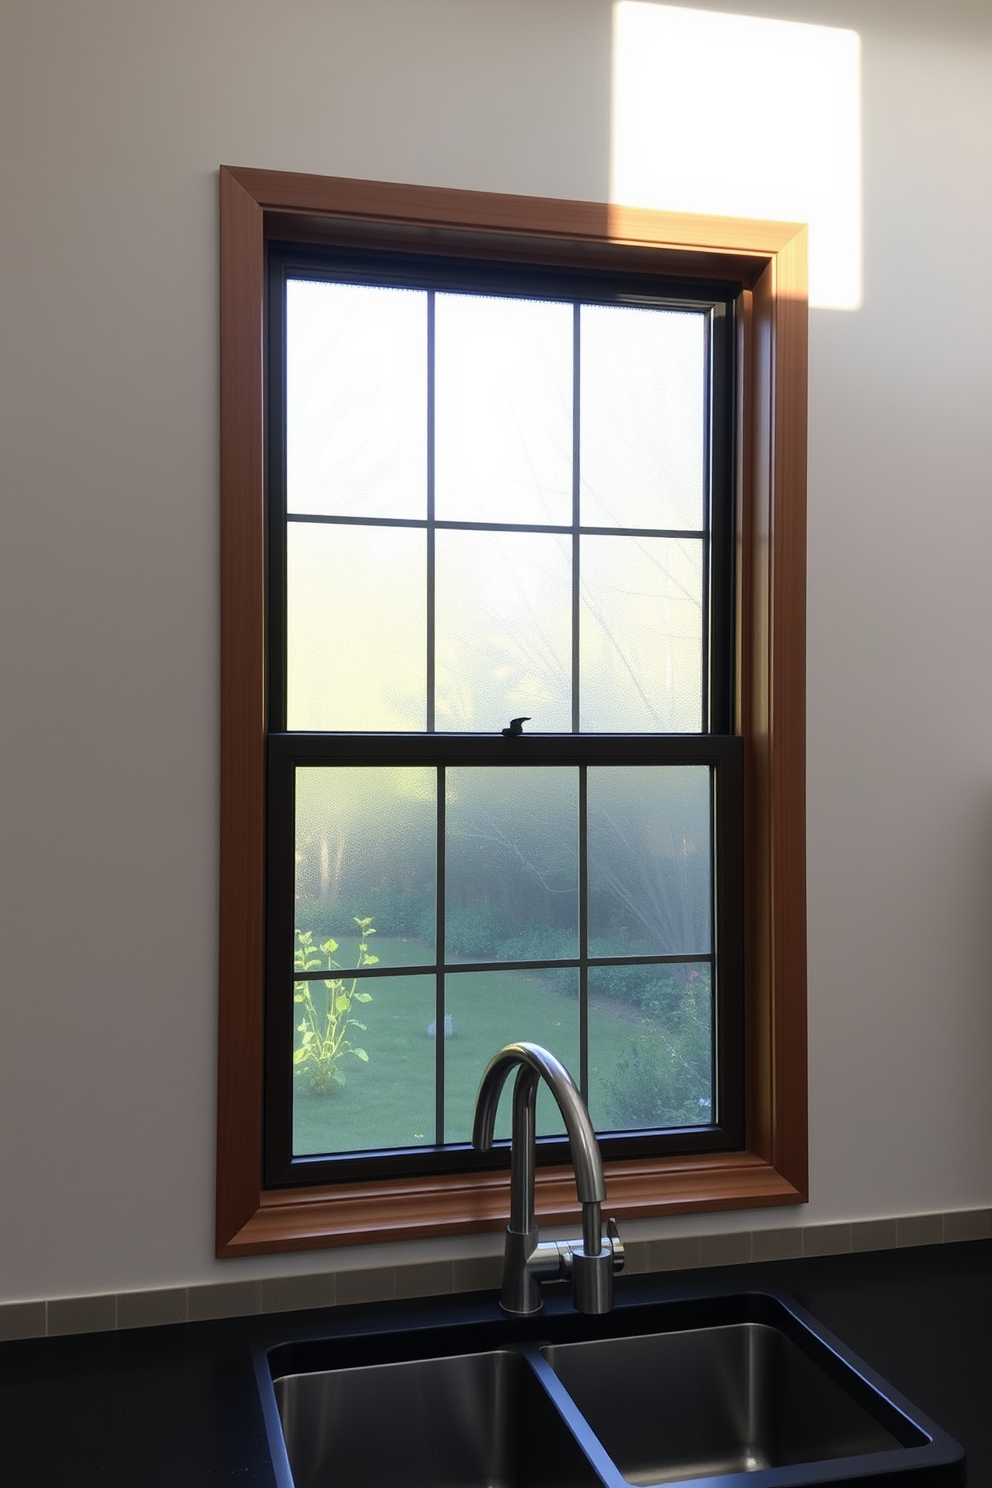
717, 747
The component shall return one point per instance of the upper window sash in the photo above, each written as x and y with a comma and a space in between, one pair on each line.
582, 545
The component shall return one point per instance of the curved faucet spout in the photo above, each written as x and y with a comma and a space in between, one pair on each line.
535, 1064
591, 1264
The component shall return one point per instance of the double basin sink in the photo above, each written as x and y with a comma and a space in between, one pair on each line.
737, 1389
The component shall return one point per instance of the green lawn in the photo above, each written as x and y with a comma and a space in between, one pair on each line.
389, 1102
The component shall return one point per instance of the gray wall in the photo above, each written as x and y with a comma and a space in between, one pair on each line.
114, 117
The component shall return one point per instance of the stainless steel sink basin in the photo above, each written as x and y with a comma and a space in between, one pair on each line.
473, 1421
707, 1401
744, 1390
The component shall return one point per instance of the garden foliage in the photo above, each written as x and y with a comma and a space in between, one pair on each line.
325, 1020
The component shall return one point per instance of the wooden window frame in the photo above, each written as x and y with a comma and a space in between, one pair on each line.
768, 261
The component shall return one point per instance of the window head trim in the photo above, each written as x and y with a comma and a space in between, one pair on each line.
768, 262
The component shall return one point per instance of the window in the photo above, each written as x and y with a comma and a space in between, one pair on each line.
497, 492
655, 654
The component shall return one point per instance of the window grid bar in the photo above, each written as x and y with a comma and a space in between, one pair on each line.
431, 562
716, 1114
687, 958
576, 510
706, 660
350, 749
278, 395
583, 936
461, 276
439, 931
450, 525
721, 564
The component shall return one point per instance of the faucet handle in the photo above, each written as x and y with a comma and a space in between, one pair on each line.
614, 1244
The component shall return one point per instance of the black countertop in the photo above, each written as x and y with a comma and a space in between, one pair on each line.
178, 1406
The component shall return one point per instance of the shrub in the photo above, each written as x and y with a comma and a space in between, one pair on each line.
478, 932
325, 1041
663, 991
664, 1078
401, 913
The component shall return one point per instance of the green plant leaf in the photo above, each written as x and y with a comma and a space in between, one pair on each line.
323, 1042
371, 960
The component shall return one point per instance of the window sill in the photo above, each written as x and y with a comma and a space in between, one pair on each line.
350, 1214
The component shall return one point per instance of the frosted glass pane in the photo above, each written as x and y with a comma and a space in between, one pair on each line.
356, 400
511, 889
356, 654
503, 400
650, 877
491, 1008
366, 849
650, 1047
364, 1114
642, 398
503, 631
641, 635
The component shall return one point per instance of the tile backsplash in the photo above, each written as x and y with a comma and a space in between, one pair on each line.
109, 1311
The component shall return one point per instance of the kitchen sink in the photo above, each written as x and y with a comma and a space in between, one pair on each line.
742, 1390
704, 1401
471, 1421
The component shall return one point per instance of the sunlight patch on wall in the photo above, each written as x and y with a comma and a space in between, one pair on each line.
743, 117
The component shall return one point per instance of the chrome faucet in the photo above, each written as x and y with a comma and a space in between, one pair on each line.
590, 1261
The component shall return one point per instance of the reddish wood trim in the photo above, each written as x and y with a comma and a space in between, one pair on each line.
786, 800
769, 260
313, 1219
438, 207
548, 249
772, 719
